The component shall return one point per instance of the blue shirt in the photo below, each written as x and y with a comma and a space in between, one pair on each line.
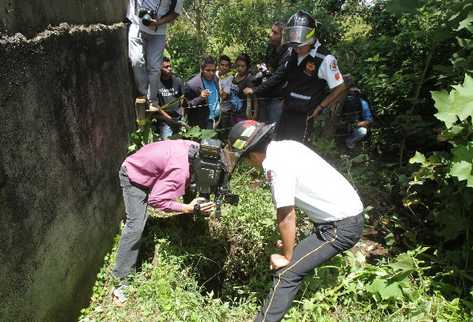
365, 111
213, 99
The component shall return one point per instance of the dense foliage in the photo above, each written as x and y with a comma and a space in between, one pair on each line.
413, 59
212, 270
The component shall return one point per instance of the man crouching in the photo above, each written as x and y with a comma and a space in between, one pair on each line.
299, 178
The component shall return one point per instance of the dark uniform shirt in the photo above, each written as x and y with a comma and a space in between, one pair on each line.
307, 81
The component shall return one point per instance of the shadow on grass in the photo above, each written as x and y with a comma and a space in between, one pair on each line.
193, 240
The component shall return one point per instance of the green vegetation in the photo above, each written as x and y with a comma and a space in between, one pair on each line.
414, 61
218, 271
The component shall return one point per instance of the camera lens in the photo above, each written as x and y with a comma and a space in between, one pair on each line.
146, 20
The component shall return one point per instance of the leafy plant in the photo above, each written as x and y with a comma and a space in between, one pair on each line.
445, 178
196, 133
145, 134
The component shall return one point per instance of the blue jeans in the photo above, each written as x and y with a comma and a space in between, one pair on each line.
356, 135
166, 130
136, 205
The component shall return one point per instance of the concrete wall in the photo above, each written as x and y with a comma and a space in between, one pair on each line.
32, 16
66, 110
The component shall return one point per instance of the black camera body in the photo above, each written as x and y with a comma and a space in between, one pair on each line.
263, 72
147, 15
209, 175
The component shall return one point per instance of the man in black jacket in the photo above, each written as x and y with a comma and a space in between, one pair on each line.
308, 71
202, 94
275, 57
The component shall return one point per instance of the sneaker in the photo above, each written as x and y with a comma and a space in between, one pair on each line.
119, 294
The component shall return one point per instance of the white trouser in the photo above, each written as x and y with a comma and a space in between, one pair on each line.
146, 52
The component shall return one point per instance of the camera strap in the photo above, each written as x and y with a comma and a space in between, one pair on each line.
193, 155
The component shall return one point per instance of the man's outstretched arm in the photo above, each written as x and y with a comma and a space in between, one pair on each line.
287, 229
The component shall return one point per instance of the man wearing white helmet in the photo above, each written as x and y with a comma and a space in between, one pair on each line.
308, 71
299, 178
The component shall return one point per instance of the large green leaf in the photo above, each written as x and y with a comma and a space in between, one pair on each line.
443, 104
418, 158
392, 291
385, 290
467, 23
463, 98
458, 104
403, 263
462, 170
376, 286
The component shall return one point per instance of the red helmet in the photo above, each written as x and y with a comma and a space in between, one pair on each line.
243, 136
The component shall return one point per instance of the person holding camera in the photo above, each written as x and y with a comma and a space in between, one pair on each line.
203, 97
147, 39
308, 71
299, 178
156, 175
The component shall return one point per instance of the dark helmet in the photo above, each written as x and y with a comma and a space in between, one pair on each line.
242, 137
300, 30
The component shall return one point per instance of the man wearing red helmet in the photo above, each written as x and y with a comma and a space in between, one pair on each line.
308, 71
299, 178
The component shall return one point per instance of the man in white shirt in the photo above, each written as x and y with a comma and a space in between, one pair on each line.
299, 178
147, 39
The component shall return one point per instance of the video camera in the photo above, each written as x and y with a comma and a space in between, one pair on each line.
209, 174
263, 72
147, 15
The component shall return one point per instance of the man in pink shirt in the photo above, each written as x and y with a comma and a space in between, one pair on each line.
156, 175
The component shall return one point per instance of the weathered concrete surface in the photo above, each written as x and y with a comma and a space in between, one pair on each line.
65, 98
32, 16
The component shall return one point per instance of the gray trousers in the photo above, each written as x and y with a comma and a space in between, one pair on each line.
136, 204
326, 241
146, 53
